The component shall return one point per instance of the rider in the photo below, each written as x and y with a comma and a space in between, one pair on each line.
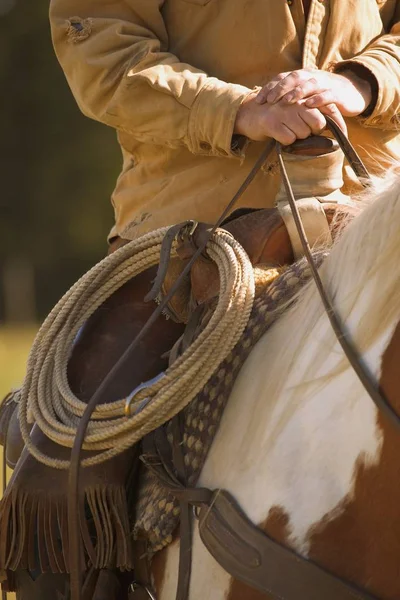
180, 81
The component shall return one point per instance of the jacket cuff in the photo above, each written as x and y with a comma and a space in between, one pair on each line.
212, 119
385, 111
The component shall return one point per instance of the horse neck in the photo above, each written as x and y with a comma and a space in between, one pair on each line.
297, 429
303, 448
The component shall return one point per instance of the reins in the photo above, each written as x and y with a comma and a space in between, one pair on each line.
339, 328
359, 366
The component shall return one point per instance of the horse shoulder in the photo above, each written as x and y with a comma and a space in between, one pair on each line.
360, 539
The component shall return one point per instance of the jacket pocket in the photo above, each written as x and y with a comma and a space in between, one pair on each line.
198, 2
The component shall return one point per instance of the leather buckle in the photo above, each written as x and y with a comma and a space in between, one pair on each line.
185, 234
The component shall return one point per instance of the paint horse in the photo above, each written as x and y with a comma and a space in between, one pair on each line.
301, 446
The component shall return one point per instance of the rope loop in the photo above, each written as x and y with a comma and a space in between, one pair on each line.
46, 397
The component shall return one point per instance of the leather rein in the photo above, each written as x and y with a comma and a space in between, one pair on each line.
75, 499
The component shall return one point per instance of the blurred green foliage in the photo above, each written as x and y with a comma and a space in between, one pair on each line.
57, 168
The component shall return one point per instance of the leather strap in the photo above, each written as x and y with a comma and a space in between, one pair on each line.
349, 151
163, 463
248, 554
141, 589
315, 225
245, 551
356, 361
186, 524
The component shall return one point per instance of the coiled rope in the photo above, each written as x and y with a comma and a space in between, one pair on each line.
46, 397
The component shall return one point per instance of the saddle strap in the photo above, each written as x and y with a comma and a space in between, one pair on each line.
249, 555
185, 554
240, 547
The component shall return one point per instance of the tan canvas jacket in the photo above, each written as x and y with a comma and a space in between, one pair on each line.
169, 76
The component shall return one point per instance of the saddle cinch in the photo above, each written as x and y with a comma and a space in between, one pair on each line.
269, 238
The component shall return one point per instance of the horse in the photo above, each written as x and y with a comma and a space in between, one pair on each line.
301, 446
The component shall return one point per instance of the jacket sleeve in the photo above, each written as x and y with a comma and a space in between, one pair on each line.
382, 59
115, 58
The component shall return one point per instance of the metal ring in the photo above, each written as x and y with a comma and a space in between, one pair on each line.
187, 231
129, 399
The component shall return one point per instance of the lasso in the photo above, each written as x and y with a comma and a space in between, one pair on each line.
46, 397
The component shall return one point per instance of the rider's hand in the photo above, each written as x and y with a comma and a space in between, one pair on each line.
349, 92
284, 122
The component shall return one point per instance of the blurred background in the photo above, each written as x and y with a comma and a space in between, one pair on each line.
57, 171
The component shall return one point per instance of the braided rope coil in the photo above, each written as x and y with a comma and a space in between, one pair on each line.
46, 397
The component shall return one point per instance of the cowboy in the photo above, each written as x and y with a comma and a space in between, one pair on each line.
194, 88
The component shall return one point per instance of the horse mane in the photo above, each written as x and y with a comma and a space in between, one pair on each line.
363, 270
367, 253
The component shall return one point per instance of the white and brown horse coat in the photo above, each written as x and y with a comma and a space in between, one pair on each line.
301, 445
